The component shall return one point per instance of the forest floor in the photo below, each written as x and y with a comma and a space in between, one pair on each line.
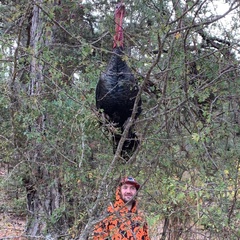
11, 225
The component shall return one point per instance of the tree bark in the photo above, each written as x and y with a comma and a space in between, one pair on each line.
43, 186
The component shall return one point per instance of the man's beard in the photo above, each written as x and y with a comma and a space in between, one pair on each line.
130, 200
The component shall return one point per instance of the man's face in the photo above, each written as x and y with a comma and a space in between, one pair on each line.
128, 191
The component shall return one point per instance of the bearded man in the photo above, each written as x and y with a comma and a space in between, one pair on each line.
124, 222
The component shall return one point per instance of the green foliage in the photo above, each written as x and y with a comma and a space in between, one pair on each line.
51, 141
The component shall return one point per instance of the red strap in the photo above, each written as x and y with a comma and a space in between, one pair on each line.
118, 37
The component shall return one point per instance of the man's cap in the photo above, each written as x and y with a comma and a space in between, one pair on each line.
130, 180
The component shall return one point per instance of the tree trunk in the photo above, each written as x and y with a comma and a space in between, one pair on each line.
43, 186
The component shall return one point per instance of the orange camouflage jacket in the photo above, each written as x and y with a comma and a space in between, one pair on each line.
121, 224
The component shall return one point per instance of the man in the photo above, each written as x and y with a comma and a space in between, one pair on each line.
123, 221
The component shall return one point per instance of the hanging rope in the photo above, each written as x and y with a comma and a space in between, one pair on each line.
119, 15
